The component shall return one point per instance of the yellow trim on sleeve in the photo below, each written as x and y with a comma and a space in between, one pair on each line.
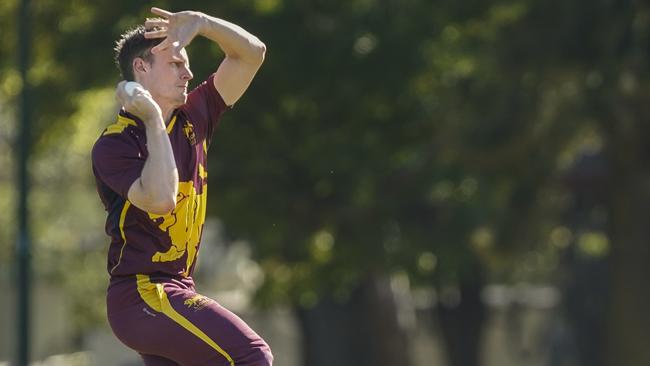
119, 126
127, 204
124, 122
155, 296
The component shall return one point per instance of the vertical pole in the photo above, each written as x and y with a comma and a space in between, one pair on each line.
22, 149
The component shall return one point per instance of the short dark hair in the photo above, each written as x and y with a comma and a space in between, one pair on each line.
132, 44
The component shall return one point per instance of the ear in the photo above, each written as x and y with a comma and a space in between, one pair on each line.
140, 66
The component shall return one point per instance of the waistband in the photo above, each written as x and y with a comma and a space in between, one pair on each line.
187, 282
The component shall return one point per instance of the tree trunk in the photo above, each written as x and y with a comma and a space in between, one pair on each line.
586, 309
362, 331
585, 286
629, 320
462, 316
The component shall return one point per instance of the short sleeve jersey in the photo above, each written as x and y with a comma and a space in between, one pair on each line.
142, 242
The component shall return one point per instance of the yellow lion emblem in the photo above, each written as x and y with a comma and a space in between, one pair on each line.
197, 302
183, 225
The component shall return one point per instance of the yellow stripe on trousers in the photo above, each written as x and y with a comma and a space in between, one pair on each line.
154, 295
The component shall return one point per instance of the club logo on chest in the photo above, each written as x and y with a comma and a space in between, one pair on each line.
188, 130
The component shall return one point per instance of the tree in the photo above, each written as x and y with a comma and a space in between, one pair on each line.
428, 138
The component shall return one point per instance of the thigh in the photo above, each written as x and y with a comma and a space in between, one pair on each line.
194, 330
153, 360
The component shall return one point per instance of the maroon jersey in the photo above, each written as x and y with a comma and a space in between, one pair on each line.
145, 243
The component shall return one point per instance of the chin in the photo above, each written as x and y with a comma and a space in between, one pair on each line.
181, 100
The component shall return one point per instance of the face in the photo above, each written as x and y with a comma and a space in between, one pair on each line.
166, 77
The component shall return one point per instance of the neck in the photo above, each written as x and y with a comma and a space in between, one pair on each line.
167, 112
166, 108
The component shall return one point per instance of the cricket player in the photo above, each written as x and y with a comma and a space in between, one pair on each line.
151, 173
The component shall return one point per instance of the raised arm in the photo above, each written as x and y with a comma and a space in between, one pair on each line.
156, 188
244, 52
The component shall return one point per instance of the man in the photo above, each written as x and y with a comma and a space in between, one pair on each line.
150, 168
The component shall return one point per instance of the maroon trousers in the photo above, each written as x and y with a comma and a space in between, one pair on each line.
168, 323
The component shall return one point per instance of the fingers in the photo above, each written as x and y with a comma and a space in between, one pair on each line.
161, 25
120, 94
156, 22
161, 46
120, 88
156, 34
161, 12
123, 95
166, 44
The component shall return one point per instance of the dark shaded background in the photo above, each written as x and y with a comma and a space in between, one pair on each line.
454, 145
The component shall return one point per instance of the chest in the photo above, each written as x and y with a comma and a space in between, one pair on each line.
189, 152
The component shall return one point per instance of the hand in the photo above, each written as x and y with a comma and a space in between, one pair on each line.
140, 104
178, 28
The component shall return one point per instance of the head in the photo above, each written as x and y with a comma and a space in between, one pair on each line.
164, 74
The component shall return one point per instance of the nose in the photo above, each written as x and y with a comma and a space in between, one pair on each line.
187, 74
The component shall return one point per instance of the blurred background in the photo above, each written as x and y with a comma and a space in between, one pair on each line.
406, 182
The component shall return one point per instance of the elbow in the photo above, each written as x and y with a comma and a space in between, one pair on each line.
259, 51
163, 207
156, 200
262, 50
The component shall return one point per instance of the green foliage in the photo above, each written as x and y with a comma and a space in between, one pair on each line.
419, 136
414, 135
394, 130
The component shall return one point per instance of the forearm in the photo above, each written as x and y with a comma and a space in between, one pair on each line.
233, 39
159, 178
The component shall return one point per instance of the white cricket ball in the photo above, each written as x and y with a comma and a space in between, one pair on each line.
130, 86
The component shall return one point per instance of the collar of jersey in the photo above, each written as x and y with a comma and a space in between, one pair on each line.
139, 124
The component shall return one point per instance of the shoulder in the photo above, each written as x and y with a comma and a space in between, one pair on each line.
120, 125
202, 99
120, 137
